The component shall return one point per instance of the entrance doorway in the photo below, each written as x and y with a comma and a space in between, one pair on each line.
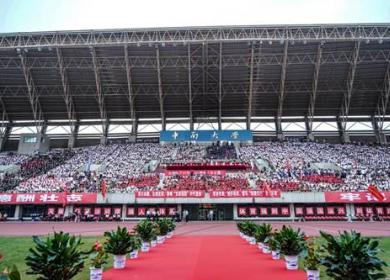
201, 212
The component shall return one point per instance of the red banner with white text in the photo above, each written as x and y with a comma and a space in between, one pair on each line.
243, 193
169, 194
355, 197
48, 198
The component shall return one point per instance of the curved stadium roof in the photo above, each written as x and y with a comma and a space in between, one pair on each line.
251, 71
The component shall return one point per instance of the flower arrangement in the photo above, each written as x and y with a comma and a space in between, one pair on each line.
98, 257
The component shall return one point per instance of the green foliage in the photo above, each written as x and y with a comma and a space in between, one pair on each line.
171, 225
58, 257
247, 227
351, 256
313, 257
262, 232
118, 242
136, 243
273, 241
98, 257
146, 230
11, 273
292, 242
163, 226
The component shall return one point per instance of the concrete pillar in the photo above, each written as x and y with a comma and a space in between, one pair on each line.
292, 211
280, 136
68, 210
4, 137
344, 136
18, 212
124, 208
73, 137
350, 210
379, 134
235, 215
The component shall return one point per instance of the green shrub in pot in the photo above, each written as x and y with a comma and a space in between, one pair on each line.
351, 256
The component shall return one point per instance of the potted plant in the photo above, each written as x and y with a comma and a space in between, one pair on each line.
351, 256
240, 227
312, 261
157, 233
172, 227
146, 230
249, 228
273, 242
119, 244
135, 247
59, 256
98, 258
292, 244
261, 233
163, 229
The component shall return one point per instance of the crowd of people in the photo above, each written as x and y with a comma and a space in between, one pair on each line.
32, 167
123, 167
201, 182
322, 167
286, 166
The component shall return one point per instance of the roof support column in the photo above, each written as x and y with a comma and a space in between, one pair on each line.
190, 99
130, 94
282, 92
345, 106
220, 88
382, 104
313, 96
73, 135
67, 96
5, 125
32, 93
160, 90
100, 97
251, 67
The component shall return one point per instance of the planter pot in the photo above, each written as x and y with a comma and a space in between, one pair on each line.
170, 234
160, 239
119, 261
153, 243
134, 254
291, 262
313, 274
266, 249
275, 255
95, 273
252, 241
145, 247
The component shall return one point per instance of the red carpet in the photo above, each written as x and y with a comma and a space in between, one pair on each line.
204, 258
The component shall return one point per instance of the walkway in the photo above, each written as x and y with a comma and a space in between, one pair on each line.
204, 258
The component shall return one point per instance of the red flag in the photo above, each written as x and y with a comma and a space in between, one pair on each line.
65, 197
375, 192
266, 188
103, 188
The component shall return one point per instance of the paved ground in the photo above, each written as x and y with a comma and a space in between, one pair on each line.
192, 228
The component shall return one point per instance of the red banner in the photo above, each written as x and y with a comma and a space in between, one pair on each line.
249, 193
355, 197
47, 198
200, 172
169, 194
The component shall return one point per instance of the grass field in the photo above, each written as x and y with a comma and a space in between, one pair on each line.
15, 249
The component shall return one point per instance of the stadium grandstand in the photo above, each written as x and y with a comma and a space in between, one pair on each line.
244, 122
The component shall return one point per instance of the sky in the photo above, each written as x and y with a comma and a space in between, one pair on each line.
51, 15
